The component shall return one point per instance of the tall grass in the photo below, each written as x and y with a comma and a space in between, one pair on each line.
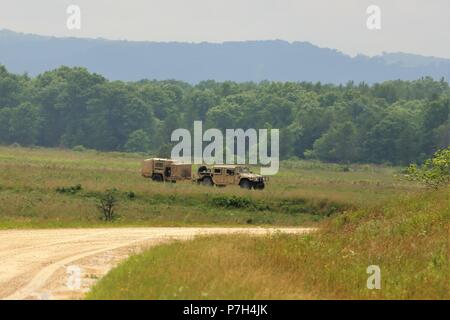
407, 238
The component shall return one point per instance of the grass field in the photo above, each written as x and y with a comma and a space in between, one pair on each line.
303, 192
407, 238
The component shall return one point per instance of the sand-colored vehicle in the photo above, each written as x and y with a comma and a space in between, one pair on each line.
223, 175
167, 170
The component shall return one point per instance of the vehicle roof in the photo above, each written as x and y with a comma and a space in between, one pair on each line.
229, 166
159, 159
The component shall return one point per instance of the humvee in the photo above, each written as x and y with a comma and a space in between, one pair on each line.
223, 175
166, 170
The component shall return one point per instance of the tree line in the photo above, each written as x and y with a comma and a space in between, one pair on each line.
395, 122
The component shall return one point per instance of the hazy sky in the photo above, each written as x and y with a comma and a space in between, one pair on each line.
414, 26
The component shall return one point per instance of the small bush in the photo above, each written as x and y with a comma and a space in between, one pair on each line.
79, 148
232, 202
131, 195
434, 172
108, 203
70, 190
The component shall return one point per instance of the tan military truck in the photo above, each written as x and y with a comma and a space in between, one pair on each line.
167, 170
223, 175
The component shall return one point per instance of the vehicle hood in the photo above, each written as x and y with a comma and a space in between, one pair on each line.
251, 176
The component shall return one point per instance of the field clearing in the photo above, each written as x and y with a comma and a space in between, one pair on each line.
303, 192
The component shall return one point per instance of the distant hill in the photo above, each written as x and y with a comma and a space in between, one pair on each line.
194, 62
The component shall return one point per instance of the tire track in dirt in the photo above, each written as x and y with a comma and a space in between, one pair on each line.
32, 262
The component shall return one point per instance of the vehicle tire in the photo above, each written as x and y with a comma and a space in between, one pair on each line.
157, 178
245, 184
207, 181
260, 187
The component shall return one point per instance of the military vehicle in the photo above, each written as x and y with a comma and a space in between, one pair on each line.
166, 170
223, 175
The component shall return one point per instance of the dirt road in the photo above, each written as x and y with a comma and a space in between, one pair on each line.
65, 263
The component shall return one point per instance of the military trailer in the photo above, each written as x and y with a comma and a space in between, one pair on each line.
166, 170
223, 175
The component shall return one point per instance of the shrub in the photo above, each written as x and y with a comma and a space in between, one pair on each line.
434, 172
79, 148
232, 202
71, 190
107, 205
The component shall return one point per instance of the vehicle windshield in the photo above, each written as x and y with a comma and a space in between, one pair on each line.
244, 170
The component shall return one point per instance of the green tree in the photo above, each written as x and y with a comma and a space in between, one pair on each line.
395, 138
224, 116
113, 114
10, 89
338, 144
138, 141
434, 172
25, 124
5, 119
435, 117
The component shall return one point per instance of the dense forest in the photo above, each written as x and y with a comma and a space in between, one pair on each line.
395, 122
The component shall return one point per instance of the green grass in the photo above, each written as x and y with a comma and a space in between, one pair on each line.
220, 267
407, 238
302, 193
